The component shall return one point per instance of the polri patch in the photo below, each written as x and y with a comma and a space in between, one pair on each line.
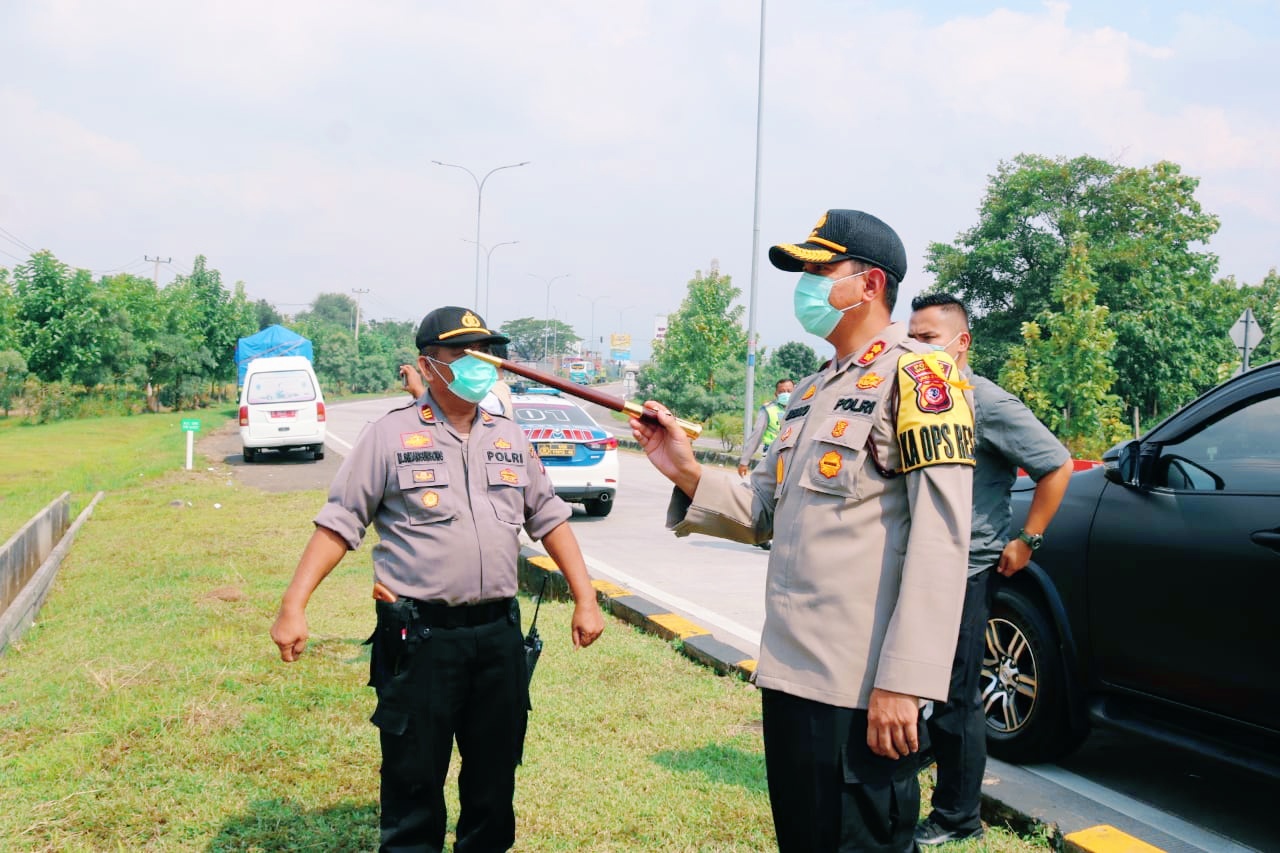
935, 424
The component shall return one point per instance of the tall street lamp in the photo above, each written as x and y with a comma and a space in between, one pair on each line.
749, 411
488, 255
593, 317
547, 324
479, 199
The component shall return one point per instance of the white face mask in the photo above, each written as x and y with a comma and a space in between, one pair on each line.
937, 348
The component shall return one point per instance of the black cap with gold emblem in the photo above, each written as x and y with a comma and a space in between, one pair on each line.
841, 235
452, 326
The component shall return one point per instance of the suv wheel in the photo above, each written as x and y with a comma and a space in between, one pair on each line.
1024, 693
317, 452
250, 454
599, 507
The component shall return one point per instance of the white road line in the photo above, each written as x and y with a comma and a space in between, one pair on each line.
343, 446
697, 611
1153, 817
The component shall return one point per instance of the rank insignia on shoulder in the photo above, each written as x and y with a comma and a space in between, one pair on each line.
414, 440
508, 476
871, 380
427, 415
810, 392
430, 499
830, 464
502, 444
485, 417
872, 353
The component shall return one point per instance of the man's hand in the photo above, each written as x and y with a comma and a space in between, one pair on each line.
891, 724
290, 633
588, 623
668, 448
742, 470
1014, 557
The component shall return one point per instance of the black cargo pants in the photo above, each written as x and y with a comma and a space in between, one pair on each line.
440, 674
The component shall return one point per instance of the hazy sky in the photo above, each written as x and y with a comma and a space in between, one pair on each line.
291, 142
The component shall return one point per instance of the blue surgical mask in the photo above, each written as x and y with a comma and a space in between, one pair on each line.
937, 348
784, 398
472, 378
812, 303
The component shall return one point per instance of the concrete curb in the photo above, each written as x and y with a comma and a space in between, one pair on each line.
1005, 801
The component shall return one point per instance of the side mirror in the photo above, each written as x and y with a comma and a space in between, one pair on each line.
1120, 463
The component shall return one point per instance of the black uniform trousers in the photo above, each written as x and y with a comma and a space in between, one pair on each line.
438, 680
829, 792
958, 729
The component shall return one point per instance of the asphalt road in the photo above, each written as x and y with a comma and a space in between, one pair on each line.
1175, 800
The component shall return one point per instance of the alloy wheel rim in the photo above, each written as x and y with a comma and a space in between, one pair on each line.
1010, 677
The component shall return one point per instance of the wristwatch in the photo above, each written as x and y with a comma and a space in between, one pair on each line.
1033, 540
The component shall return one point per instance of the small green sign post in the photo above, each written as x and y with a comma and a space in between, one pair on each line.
190, 426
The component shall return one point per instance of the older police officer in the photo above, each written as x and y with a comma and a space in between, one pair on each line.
448, 487
866, 494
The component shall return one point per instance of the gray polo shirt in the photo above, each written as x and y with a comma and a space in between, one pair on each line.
448, 510
1009, 438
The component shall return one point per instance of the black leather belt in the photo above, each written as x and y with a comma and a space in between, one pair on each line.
435, 614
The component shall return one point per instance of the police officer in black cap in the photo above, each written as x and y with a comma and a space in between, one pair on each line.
448, 486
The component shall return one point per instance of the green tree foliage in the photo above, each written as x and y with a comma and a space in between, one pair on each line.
59, 324
265, 314
698, 368
1063, 368
793, 360
13, 373
1264, 299
1143, 229
8, 312
530, 338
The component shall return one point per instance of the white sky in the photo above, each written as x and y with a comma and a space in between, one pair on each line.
291, 142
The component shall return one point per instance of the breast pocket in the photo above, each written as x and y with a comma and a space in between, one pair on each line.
506, 490
427, 496
836, 456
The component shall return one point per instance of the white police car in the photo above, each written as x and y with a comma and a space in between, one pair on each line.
580, 456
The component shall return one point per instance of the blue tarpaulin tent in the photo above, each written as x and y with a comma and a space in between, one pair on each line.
270, 342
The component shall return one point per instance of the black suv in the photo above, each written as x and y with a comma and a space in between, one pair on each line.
1152, 606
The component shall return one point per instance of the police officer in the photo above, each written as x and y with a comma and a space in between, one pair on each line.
765, 428
1008, 438
448, 486
866, 493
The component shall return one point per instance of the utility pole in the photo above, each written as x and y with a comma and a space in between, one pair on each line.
157, 261
358, 294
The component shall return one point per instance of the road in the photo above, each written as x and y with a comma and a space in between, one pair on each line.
1189, 803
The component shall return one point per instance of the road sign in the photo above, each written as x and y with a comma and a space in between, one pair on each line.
1246, 334
190, 425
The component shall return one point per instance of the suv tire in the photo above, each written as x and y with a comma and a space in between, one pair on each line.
599, 507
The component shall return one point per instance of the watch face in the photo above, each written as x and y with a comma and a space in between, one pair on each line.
1032, 539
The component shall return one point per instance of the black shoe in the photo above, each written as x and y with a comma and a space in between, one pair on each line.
764, 546
930, 834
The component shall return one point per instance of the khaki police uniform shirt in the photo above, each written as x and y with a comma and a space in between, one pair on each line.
867, 571
448, 510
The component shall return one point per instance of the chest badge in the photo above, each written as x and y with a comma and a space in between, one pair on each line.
425, 475
414, 440
871, 380
502, 444
830, 464
508, 476
786, 433
810, 392
872, 353
839, 428
430, 499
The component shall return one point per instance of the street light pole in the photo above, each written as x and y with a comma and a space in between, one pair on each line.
488, 255
546, 328
479, 199
755, 248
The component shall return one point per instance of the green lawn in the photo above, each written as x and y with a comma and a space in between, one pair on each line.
148, 709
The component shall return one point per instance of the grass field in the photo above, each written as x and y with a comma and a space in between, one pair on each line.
148, 709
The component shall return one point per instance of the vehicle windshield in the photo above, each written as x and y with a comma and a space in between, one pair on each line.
532, 414
281, 386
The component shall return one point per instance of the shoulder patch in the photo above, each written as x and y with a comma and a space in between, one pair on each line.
934, 421
872, 353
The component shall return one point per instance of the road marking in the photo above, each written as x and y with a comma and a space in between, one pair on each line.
678, 625
328, 437
1153, 817
698, 612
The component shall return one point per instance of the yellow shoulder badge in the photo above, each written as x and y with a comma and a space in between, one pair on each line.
935, 423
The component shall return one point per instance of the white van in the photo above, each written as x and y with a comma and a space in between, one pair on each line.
281, 407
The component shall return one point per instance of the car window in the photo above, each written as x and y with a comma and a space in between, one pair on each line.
280, 386
532, 414
1239, 452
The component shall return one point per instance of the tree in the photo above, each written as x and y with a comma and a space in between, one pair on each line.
58, 322
265, 314
1063, 369
13, 372
793, 360
8, 312
531, 338
705, 335
1141, 227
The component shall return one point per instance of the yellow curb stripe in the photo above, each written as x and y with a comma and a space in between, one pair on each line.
679, 625
610, 589
748, 665
1107, 839
544, 563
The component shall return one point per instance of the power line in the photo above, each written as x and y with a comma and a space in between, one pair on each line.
13, 238
156, 260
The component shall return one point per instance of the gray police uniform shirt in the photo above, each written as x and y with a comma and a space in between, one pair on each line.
448, 511
867, 569
1009, 437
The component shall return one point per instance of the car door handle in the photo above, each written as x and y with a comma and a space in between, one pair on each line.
1267, 539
